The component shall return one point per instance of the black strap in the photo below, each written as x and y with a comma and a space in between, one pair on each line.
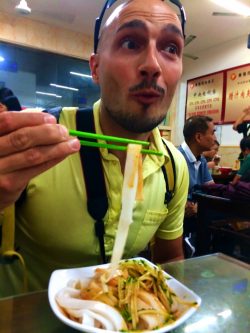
97, 201
169, 193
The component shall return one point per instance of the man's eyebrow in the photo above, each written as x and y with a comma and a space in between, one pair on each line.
133, 24
173, 28
138, 24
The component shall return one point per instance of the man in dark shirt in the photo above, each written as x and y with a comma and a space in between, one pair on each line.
242, 124
244, 173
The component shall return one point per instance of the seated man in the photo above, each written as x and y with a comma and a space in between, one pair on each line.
242, 124
199, 136
243, 173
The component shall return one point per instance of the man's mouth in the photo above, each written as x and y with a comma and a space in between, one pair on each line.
147, 96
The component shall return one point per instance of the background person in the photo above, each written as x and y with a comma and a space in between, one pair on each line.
8, 101
199, 136
138, 63
212, 157
242, 124
243, 174
239, 188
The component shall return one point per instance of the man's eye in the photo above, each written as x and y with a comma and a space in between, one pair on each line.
172, 48
129, 44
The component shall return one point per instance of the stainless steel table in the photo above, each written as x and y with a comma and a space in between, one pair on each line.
221, 281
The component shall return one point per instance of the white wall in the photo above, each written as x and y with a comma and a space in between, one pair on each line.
224, 56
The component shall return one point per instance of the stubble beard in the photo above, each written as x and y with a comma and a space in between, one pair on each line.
135, 123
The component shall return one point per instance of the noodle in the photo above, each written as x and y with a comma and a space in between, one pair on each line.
138, 294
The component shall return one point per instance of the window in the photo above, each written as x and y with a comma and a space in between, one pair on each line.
43, 79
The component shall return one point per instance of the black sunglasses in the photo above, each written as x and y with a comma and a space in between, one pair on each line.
109, 3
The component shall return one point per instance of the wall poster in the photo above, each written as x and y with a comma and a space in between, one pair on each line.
238, 92
204, 96
221, 95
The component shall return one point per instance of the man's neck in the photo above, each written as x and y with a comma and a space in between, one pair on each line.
110, 127
195, 150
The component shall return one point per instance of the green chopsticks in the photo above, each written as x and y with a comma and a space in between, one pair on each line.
106, 137
111, 138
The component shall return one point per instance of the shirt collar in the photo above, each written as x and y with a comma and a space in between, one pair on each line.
188, 152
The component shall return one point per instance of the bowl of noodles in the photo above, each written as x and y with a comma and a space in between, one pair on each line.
136, 296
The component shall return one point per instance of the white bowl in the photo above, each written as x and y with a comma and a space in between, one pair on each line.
61, 277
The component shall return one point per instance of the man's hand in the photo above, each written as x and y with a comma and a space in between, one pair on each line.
30, 143
190, 209
247, 111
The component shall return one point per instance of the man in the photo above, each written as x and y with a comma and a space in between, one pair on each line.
8, 101
243, 174
212, 157
242, 124
239, 188
199, 136
138, 63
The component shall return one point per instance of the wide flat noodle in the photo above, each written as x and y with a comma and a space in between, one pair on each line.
129, 191
137, 298
139, 192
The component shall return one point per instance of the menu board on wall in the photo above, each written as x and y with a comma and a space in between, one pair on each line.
204, 96
222, 95
237, 92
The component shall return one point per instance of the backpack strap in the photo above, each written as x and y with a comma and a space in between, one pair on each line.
169, 172
8, 254
97, 201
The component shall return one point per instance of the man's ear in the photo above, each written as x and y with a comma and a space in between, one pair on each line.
198, 137
94, 67
2, 107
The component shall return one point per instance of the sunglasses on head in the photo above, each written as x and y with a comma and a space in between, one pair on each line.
109, 3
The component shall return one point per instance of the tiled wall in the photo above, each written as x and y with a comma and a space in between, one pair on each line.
26, 32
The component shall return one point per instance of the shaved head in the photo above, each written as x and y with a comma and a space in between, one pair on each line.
135, 7
138, 65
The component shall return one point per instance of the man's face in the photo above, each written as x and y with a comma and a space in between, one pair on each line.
139, 64
3, 108
207, 140
246, 152
213, 151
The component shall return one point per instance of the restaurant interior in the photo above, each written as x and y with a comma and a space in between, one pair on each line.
44, 52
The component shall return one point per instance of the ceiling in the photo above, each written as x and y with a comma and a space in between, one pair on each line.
79, 15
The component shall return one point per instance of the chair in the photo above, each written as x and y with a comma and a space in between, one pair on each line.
220, 223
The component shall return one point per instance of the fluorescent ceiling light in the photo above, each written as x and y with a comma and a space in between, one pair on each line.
79, 74
2, 58
23, 8
234, 6
63, 87
48, 94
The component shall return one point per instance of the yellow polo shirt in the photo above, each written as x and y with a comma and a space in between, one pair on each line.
54, 229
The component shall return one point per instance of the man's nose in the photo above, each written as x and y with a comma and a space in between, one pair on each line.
150, 68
